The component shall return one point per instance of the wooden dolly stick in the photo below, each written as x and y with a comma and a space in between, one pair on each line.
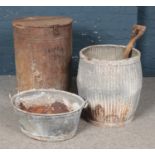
137, 32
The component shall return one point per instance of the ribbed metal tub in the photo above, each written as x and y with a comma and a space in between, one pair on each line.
110, 84
48, 127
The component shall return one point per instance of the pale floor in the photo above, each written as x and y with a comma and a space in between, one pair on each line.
138, 134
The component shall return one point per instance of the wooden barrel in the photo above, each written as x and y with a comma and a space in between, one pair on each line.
43, 47
110, 84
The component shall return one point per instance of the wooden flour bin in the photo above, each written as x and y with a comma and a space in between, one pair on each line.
43, 48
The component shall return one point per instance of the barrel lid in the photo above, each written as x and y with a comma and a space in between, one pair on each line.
42, 21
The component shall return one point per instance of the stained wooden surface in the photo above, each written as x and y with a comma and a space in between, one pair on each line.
43, 53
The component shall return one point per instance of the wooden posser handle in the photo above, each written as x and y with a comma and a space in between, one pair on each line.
137, 32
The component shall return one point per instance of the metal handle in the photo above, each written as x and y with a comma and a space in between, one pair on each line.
86, 103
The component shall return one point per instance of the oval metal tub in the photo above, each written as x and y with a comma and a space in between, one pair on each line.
51, 127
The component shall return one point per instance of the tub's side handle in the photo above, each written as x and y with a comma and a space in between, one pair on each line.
86, 103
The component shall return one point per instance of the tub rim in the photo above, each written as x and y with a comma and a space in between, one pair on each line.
94, 61
47, 115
